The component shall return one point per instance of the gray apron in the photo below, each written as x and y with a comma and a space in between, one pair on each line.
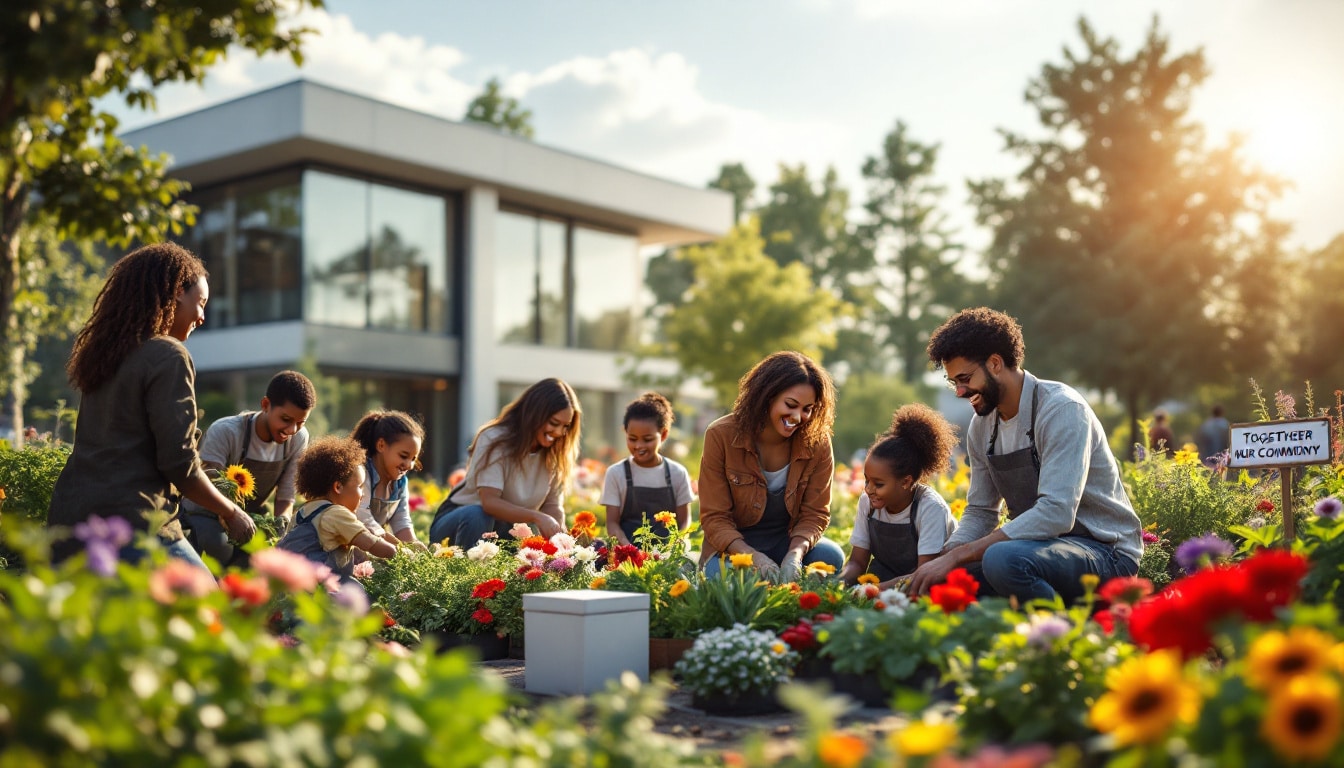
1017, 475
894, 546
642, 503
204, 530
302, 539
770, 534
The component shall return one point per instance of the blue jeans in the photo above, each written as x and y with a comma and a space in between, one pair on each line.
180, 549
824, 551
465, 526
1043, 569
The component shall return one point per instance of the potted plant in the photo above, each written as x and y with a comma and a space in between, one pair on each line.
666, 575
734, 671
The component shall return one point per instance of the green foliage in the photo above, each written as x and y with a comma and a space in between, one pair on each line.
430, 593
864, 404
669, 615
1155, 562
28, 477
742, 307
491, 107
734, 179
1181, 498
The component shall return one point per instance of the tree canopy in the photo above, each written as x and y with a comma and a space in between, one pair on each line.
491, 107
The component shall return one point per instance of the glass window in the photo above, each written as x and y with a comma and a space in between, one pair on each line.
408, 271
606, 288
531, 295
335, 237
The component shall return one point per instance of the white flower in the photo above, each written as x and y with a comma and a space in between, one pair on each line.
563, 541
895, 600
584, 554
532, 557
484, 550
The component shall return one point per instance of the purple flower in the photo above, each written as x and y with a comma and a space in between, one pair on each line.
103, 539
1329, 507
352, 597
1200, 551
561, 564
1044, 629
102, 558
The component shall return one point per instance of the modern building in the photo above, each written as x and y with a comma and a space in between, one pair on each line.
418, 263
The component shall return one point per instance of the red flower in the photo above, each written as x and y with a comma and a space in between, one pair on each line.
250, 591
488, 589
1127, 589
1106, 620
533, 574
822, 618
1273, 580
627, 552
956, 593
809, 600
962, 578
483, 615
1162, 621
799, 637
1264, 505
533, 542
388, 621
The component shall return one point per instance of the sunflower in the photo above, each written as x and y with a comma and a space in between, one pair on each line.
869, 578
1276, 657
1304, 718
241, 477
1147, 695
921, 739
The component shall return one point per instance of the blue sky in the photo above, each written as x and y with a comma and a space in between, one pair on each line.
677, 88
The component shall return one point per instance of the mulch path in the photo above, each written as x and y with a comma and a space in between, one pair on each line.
716, 733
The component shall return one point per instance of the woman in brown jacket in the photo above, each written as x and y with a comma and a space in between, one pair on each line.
765, 477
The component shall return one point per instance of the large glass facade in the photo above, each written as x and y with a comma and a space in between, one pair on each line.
335, 238
560, 284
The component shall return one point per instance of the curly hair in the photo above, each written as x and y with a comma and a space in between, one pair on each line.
975, 334
291, 388
388, 426
327, 461
525, 416
918, 444
138, 301
757, 390
651, 407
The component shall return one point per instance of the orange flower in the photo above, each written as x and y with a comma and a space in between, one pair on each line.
841, 750
585, 519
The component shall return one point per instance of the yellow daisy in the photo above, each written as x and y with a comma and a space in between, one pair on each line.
679, 588
597, 583
1276, 657
1304, 718
820, 569
841, 750
1147, 696
241, 477
958, 506
740, 561
869, 578
1187, 456
922, 739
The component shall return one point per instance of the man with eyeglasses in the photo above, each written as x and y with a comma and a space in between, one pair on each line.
1037, 446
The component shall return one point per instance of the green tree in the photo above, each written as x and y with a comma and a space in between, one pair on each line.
734, 179
914, 274
1318, 326
742, 307
491, 107
864, 404
60, 60
1112, 244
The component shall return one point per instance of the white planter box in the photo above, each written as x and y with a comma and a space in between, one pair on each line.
577, 640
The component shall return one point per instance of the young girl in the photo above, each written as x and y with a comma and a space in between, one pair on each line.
391, 442
902, 523
135, 446
519, 464
326, 530
765, 478
646, 483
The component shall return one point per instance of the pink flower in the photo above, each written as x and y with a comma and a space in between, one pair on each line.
178, 577
296, 572
396, 649
363, 570
520, 530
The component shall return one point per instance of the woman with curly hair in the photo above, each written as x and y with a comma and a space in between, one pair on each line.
902, 523
135, 439
765, 477
519, 465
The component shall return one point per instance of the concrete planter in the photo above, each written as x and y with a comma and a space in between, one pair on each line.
577, 640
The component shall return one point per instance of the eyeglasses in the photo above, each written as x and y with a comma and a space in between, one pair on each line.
962, 379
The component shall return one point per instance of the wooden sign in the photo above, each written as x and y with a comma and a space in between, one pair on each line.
1281, 445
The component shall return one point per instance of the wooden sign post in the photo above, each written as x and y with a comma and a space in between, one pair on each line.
1281, 445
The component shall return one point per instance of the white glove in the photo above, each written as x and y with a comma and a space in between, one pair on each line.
791, 567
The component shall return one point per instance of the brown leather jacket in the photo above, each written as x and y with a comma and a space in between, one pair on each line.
733, 493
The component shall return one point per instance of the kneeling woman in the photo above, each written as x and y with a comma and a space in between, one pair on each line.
765, 477
520, 463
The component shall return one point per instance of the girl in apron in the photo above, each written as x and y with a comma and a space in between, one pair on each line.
392, 441
646, 483
902, 523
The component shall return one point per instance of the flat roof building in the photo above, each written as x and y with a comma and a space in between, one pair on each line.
418, 263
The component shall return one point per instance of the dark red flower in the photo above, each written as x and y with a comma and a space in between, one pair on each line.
627, 552
822, 618
809, 600
483, 615
1264, 505
1126, 589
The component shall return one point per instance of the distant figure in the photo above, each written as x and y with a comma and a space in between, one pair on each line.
1160, 436
1214, 435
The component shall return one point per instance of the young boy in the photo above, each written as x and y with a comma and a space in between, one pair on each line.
268, 443
326, 530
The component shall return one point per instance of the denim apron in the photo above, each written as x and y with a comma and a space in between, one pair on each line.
302, 539
204, 530
382, 509
894, 546
770, 534
642, 503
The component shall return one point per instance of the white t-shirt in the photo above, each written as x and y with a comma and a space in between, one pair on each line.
613, 488
527, 483
934, 522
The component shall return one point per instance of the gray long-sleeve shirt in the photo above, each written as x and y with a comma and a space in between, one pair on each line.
1079, 478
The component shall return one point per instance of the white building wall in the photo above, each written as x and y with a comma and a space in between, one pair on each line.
479, 384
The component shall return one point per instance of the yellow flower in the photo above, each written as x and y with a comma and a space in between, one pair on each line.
2, 493
1337, 657
958, 507
1304, 718
841, 750
666, 518
1090, 581
1147, 696
740, 561
1187, 456
241, 477
921, 739
597, 583
869, 578
820, 569
679, 588
1275, 658
779, 648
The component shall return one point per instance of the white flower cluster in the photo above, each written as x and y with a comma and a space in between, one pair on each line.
726, 662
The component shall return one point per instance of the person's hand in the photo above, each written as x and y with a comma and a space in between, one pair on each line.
547, 525
767, 568
933, 572
285, 523
416, 545
791, 567
239, 525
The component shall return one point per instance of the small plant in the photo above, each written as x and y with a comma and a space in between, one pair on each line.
735, 661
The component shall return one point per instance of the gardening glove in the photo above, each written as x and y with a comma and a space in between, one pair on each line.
767, 568
239, 525
791, 567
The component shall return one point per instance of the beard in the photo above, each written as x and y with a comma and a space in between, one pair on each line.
990, 395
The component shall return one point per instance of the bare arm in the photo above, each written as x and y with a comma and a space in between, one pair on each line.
493, 502
373, 545
856, 566
237, 522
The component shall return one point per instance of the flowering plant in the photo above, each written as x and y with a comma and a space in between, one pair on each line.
1320, 540
539, 565
735, 660
433, 593
660, 569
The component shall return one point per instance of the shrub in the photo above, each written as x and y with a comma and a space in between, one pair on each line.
28, 477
